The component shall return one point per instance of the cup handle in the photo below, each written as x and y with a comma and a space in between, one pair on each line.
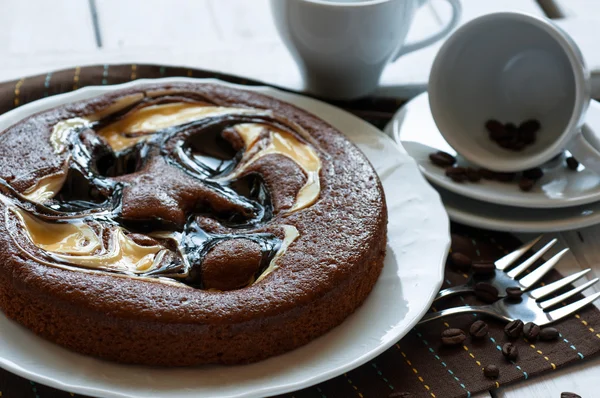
410, 47
585, 148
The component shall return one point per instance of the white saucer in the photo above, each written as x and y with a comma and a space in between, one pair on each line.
517, 219
418, 233
414, 127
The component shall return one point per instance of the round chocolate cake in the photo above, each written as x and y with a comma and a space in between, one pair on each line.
185, 224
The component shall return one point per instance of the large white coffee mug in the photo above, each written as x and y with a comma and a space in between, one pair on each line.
342, 46
513, 67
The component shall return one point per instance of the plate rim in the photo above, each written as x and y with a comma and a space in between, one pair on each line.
464, 216
41, 104
393, 130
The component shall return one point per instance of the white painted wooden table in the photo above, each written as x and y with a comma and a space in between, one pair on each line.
238, 37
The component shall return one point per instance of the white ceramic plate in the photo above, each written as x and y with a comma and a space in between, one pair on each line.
413, 126
518, 219
418, 235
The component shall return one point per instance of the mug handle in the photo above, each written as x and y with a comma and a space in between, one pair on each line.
585, 148
410, 47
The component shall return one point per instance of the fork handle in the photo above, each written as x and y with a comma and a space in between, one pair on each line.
451, 291
466, 309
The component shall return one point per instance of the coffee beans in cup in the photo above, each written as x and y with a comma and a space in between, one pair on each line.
511, 137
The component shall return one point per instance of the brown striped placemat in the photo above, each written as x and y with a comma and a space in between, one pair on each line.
418, 365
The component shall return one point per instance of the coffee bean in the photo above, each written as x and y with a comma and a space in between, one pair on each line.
460, 243
531, 331
461, 261
479, 329
569, 395
499, 135
486, 292
496, 129
572, 163
518, 146
459, 177
458, 174
530, 125
473, 174
527, 137
528, 130
514, 328
491, 372
505, 177
509, 350
483, 269
453, 336
511, 129
525, 184
533, 174
514, 292
442, 159
548, 334
506, 144
487, 174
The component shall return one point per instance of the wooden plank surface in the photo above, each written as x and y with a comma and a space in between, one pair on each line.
232, 36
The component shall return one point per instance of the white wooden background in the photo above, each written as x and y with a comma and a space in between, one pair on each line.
238, 37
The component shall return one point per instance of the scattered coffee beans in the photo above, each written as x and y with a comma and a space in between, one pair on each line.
453, 336
510, 352
461, 261
483, 269
514, 328
572, 163
505, 177
473, 174
511, 137
486, 292
491, 372
526, 184
479, 329
462, 174
442, 159
569, 395
548, 334
487, 174
514, 292
458, 174
533, 174
531, 331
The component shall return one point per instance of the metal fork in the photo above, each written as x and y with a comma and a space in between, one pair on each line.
502, 280
529, 309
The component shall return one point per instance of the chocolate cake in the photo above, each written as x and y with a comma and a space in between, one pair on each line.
185, 224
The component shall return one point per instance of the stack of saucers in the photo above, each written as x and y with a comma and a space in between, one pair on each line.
562, 199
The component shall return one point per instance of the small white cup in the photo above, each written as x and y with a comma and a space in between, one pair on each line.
512, 67
342, 46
